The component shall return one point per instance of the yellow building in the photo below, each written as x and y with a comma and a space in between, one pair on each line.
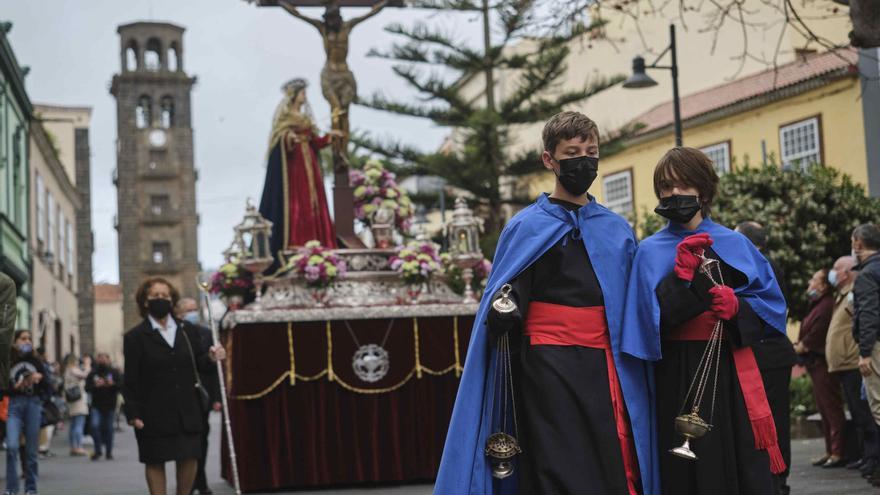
806, 111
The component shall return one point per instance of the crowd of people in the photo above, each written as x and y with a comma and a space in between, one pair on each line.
165, 356
838, 346
684, 336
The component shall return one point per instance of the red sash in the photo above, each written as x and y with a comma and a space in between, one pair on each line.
554, 324
750, 382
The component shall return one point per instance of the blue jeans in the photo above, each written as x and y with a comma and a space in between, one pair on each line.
102, 423
24, 417
77, 426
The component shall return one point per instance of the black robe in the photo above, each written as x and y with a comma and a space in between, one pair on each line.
728, 462
566, 419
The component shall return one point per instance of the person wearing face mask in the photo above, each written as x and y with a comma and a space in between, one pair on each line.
842, 356
27, 390
866, 310
187, 310
582, 413
163, 395
826, 387
673, 307
103, 383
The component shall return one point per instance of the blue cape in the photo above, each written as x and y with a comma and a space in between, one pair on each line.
655, 259
610, 244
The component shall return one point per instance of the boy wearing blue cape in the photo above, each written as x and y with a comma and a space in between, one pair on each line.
673, 305
582, 409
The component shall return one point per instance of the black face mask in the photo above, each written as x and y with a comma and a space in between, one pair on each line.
577, 174
158, 308
678, 208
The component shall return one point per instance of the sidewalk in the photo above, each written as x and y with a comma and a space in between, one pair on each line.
65, 475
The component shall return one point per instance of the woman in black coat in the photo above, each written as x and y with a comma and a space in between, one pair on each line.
162, 402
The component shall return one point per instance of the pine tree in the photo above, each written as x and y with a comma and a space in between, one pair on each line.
480, 158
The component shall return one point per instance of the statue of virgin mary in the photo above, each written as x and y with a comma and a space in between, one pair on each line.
293, 194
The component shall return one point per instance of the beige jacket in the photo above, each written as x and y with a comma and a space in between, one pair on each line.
75, 377
841, 350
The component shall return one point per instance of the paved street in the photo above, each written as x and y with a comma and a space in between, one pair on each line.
64, 475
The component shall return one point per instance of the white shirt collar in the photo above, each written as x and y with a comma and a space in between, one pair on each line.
168, 333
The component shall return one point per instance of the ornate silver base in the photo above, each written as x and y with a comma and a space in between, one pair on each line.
685, 451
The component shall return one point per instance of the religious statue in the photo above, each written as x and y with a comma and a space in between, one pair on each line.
337, 80
293, 194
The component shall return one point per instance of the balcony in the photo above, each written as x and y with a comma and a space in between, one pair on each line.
159, 170
160, 215
165, 267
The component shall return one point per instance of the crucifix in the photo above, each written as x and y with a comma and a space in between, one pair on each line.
340, 90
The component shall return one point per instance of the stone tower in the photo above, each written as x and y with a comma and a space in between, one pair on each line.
155, 178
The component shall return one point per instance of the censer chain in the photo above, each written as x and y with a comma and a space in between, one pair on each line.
711, 353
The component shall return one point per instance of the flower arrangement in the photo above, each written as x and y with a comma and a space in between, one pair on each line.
232, 280
417, 261
374, 188
317, 264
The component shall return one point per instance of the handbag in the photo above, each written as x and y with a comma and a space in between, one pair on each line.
201, 393
73, 393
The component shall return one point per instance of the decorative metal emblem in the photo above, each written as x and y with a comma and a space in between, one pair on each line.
370, 363
504, 304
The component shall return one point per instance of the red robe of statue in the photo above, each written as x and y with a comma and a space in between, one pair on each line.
307, 215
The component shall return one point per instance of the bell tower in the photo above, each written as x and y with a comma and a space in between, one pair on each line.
155, 178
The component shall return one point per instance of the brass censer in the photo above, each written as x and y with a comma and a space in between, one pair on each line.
690, 425
502, 447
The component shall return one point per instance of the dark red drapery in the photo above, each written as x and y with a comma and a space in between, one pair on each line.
319, 431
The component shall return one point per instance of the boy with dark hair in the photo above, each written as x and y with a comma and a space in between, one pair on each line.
581, 409
676, 302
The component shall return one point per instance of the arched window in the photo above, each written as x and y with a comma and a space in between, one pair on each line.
131, 56
171, 58
167, 112
153, 55
143, 112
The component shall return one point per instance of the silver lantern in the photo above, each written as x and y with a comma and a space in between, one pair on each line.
463, 235
252, 239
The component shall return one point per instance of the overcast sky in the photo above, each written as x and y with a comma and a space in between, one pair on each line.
240, 54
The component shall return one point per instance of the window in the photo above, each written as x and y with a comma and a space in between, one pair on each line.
70, 257
167, 117
153, 55
62, 242
50, 226
39, 193
131, 61
142, 116
159, 203
171, 57
161, 252
720, 156
618, 193
800, 144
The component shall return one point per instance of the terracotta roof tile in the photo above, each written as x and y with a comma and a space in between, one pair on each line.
748, 87
108, 293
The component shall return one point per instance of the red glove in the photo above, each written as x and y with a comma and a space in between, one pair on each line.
687, 257
725, 304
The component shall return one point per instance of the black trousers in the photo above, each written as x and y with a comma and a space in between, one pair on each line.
201, 482
866, 428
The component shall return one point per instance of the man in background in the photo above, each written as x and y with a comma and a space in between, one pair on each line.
188, 310
775, 357
842, 356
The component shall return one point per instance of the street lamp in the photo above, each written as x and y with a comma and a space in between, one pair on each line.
640, 79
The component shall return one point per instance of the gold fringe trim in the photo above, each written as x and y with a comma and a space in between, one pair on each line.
330, 375
290, 351
416, 340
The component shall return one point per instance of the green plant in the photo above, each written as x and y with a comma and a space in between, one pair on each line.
802, 402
